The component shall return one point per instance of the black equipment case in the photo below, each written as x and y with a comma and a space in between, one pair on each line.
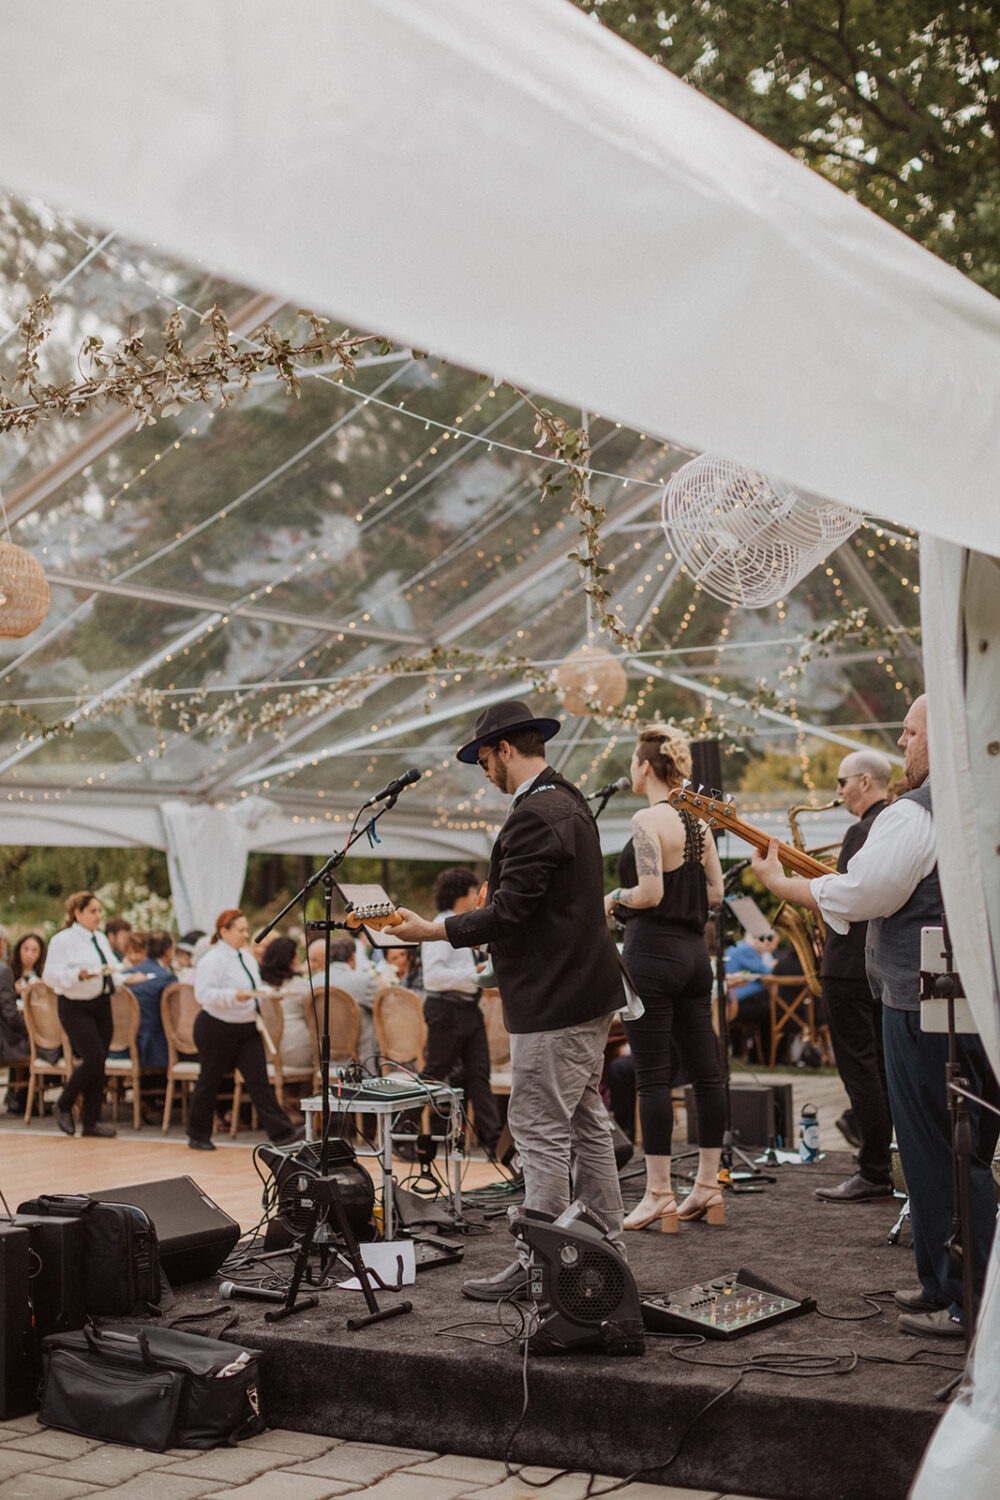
152, 1387
122, 1276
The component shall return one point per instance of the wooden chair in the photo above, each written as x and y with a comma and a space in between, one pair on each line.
791, 1008
178, 1010
272, 1019
400, 1028
345, 1023
125, 1015
807, 934
41, 1017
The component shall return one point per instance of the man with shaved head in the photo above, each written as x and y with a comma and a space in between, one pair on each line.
854, 1012
892, 883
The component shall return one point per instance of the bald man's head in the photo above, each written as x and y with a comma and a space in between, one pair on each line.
863, 780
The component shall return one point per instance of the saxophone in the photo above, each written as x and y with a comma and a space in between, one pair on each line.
806, 930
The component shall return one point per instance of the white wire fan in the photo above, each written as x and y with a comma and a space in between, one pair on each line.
745, 538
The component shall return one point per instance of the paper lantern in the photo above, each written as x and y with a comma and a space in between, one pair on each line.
24, 591
590, 674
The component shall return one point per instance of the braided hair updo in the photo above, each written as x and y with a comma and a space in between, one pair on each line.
667, 750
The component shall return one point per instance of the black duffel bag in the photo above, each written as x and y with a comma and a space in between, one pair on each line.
154, 1388
122, 1277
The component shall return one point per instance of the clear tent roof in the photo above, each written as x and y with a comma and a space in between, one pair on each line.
241, 597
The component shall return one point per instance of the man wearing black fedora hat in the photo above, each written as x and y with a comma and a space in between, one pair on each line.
557, 970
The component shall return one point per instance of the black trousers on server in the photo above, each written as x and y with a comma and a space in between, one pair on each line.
456, 1033
223, 1046
89, 1026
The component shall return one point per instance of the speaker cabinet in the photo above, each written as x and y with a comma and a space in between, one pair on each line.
19, 1369
195, 1234
57, 1280
760, 1114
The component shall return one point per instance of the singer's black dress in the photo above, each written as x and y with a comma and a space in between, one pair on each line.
667, 957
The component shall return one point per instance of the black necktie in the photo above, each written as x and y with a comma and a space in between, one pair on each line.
243, 966
106, 986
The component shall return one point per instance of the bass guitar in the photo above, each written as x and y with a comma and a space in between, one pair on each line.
376, 916
721, 814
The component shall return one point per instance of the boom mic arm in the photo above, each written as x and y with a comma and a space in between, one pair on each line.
621, 785
394, 787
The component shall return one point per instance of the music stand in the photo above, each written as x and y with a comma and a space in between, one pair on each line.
325, 1188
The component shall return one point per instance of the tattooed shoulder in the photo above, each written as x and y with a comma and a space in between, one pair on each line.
647, 853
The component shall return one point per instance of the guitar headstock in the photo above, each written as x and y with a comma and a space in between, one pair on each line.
717, 811
377, 915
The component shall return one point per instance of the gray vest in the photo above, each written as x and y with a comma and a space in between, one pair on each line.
892, 950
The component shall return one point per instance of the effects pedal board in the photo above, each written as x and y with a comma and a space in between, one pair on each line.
431, 1250
724, 1308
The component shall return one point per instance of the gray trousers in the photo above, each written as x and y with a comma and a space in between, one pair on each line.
559, 1123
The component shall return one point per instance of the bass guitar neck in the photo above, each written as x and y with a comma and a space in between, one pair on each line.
721, 814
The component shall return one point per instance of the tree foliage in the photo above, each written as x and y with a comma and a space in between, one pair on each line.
896, 101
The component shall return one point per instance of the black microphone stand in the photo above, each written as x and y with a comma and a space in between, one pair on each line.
325, 1190
751, 1178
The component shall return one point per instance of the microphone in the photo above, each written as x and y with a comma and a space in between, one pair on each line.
621, 785
230, 1289
395, 787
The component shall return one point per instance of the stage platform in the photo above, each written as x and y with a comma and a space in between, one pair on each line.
449, 1374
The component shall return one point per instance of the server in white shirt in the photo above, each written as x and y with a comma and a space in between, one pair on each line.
226, 1034
456, 1032
83, 970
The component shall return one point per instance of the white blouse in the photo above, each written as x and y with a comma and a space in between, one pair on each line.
220, 975
71, 951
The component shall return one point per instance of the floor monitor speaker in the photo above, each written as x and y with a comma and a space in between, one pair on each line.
57, 1283
18, 1350
195, 1234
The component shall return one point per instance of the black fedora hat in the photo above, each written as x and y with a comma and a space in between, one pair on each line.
500, 720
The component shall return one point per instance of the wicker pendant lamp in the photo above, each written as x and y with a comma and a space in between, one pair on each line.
590, 676
24, 592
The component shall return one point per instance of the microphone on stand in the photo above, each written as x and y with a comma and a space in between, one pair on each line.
621, 785
395, 787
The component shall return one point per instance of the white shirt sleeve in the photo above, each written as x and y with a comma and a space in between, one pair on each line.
898, 853
448, 968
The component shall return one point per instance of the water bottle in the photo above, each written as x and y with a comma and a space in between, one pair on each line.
809, 1133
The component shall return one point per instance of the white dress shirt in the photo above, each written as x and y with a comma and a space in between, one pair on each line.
896, 856
72, 951
448, 968
219, 976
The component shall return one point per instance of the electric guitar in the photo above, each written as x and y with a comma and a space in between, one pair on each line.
722, 814
376, 916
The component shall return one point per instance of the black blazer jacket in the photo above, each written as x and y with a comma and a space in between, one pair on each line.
555, 960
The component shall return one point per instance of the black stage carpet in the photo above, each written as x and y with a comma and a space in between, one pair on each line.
852, 1434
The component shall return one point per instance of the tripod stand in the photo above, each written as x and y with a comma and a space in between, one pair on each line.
323, 1188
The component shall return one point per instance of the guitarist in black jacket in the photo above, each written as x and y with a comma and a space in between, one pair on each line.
557, 970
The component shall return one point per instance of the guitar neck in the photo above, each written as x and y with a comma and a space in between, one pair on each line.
718, 814
793, 859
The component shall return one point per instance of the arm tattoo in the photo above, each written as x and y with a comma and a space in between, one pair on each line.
647, 854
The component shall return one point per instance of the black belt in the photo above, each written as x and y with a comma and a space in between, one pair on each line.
454, 997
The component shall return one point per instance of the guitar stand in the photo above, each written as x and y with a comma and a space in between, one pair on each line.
326, 1200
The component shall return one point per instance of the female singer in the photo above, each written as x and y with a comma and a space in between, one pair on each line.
226, 1035
670, 874
83, 969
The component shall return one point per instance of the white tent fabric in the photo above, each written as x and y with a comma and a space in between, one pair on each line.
513, 187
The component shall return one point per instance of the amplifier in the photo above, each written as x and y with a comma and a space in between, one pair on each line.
761, 1113
195, 1234
57, 1281
19, 1364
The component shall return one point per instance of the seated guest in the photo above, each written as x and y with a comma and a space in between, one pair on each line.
184, 949
116, 931
753, 955
280, 968
27, 961
456, 1031
157, 974
401, 966
361, 984
14, 1044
